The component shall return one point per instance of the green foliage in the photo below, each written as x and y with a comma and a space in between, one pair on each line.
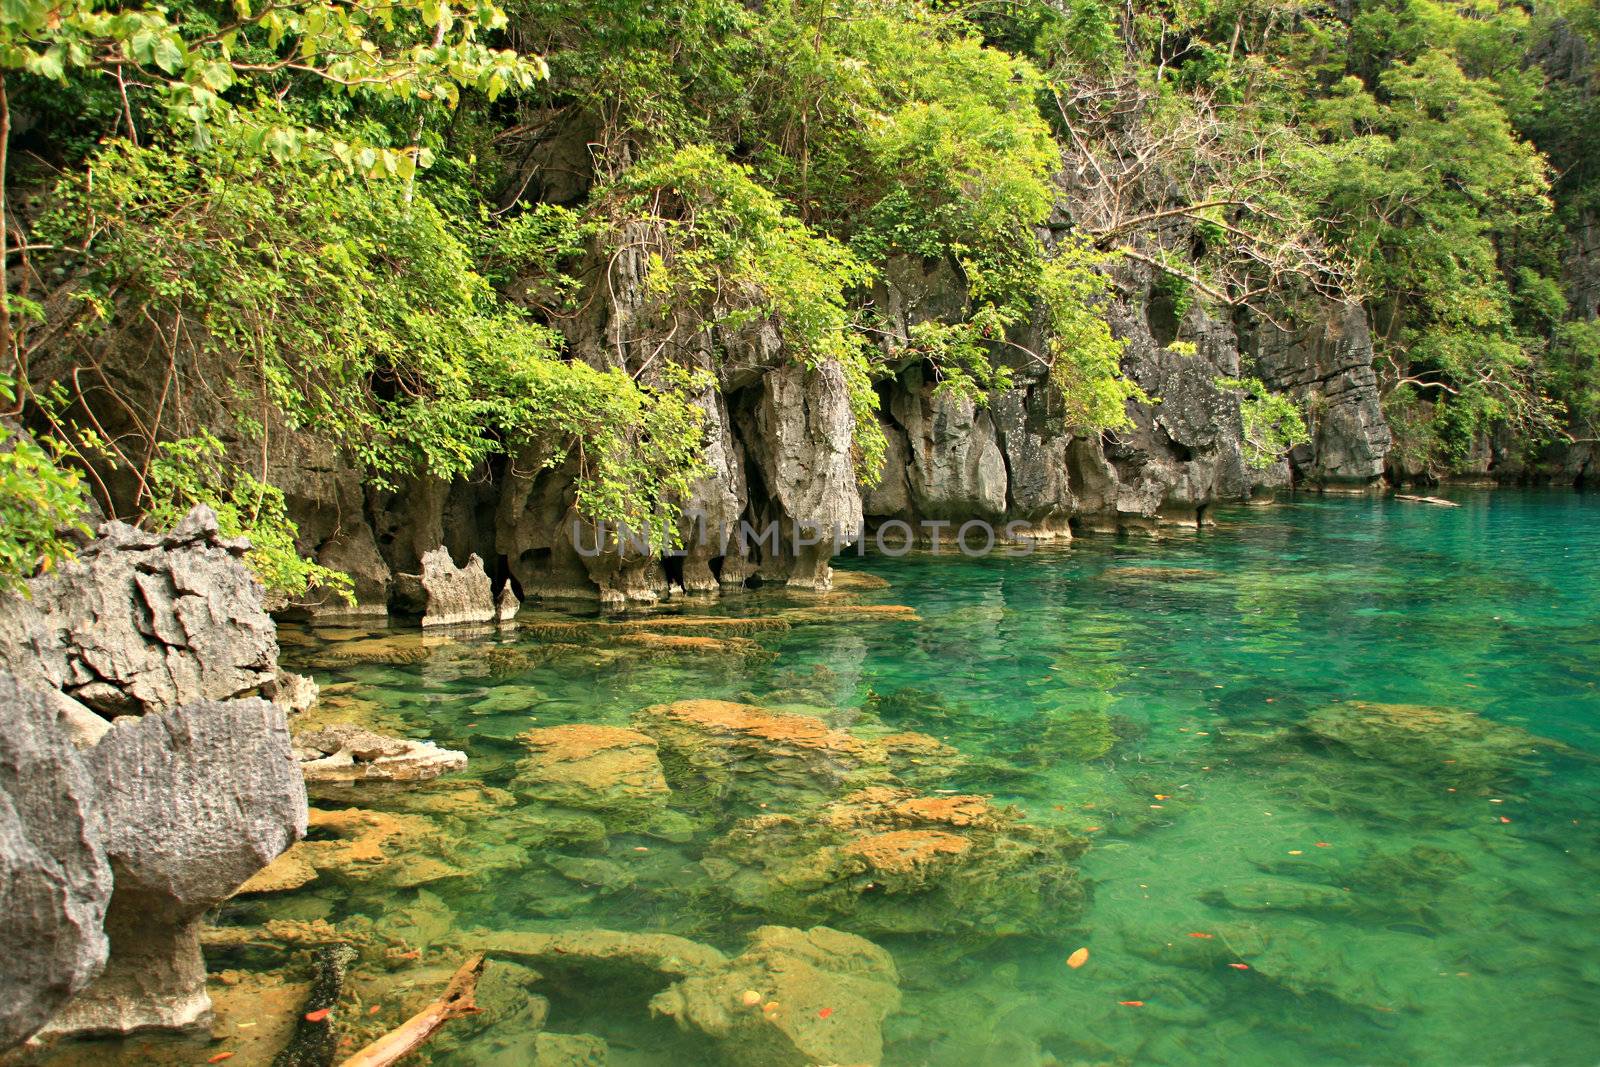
722, 252
193, 470
1272, 422
41, 505
396, 348
1085, 359
198, 63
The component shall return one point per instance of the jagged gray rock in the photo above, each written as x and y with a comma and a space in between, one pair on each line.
344, 752
54, 879
955, 469
1328, 366
801, 436
451, 595
144, 622
192, 802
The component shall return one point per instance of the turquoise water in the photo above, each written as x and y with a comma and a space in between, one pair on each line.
1387, 907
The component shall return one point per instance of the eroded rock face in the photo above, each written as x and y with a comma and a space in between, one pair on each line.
1328, 365
955, 469
342, 752
54, 879
800, 436
820, 996
192, 802
606, 769
144, 622
888, 860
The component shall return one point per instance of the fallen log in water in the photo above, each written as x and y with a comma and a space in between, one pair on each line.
410, 1035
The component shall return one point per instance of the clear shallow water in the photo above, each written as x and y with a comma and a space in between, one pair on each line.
1389, 913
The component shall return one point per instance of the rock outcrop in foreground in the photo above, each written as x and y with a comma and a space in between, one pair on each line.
54, 878
125, 833
190, 804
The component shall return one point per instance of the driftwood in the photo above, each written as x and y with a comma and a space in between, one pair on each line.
1434, 500
409, 1036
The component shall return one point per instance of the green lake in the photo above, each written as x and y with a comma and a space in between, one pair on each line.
1227, 717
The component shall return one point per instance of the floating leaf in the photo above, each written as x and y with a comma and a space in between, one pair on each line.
1078, 958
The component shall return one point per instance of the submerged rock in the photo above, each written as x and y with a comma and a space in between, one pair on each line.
343, 752
358, 845
820, 997
1446, 742
886, 860
694, 645
54, 879
192, 803
833, 613
706, 625
660, 953
607, 769
1159, 574
723, 747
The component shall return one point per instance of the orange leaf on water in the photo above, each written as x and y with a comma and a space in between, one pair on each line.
1078, 958
318, 1015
